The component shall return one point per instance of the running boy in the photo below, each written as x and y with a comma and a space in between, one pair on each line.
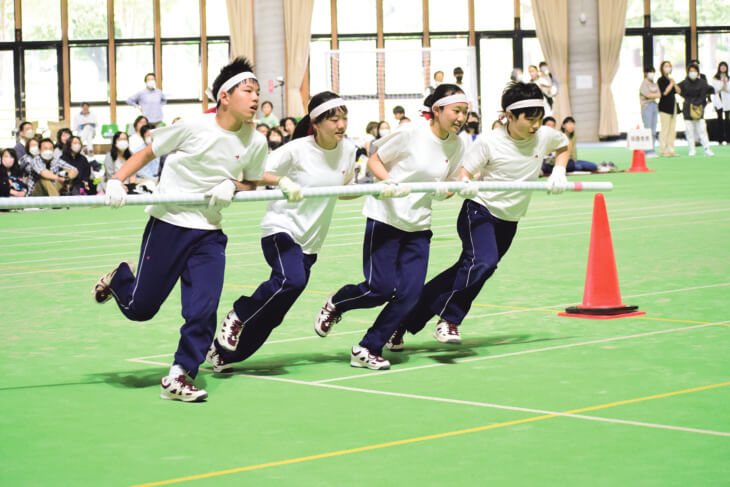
488, 221
215, 154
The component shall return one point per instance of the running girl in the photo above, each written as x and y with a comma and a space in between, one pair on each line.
488, 221
294, 230
397, 232
215, 154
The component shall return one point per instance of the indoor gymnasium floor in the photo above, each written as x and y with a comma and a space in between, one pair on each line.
529, 398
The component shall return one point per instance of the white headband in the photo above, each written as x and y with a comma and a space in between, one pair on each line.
233, 81
328, 105
448, 100
530, 103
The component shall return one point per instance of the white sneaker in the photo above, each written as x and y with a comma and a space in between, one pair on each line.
692, 152
326, 318
231, 329
180, 389
361, 357
395, 342
101, 290
446, 332
709, 153
213, 357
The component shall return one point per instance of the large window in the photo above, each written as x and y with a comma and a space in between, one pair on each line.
7, 99
89, 80
42, 20
402, 16
452, 15
87, 19
7, 20
41, 73
133, 62
178, 62
625, 85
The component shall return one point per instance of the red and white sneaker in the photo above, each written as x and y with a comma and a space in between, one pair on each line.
326, 318
213, 357
180, 389
395, 342
101, 290
447, 332
231, 329
361, 357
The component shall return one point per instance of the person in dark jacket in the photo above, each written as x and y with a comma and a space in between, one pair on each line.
695, 90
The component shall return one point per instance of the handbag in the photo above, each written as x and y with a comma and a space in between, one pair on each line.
696, 111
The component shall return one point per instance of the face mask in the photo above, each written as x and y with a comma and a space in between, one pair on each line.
650, 76
667, 70
148, 140
47, 155
545, 71
151, 85
75, 148
274, 144
28, 134
693, 76
34, 151
473, 125
384, 132
122, 145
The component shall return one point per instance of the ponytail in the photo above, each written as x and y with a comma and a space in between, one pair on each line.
442, 91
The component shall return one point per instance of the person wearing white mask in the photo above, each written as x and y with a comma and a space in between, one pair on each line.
48, 174
668, 109
149, 100
152, 169
648, 96
25, 133
83, 183
694, 91
115, 159
32, 150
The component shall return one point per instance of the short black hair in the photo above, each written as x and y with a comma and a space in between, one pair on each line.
149, 74
23, 124
442, 91
549, 119
85, 103
137, 120
144, 129
238, 65
43, 141
398, 109
518, 91
649, 69
267, 102
568, 119
458, 70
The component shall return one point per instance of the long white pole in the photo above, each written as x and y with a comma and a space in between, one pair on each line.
276, 194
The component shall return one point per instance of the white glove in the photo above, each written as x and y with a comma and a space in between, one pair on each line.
441, 192
291, 190
557, 182
392, 189
470, 190
221, 194
115, 195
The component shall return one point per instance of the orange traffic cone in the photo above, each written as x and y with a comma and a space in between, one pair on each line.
601, 296
638, 162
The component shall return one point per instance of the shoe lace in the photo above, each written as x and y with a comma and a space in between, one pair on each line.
236, 328
186, 383
451, 329
333, 317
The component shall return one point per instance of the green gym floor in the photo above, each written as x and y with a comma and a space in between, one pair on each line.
529, 398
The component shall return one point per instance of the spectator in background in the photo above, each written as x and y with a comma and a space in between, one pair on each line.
668, 109
82, 183
695, 90
84, 124
497, 124
534, 73
648, 96
263, 128
149, 100
382, 130
11, 175
471, 129
721, 102
25, 133
269, 119
371, 130
574, 164
459, 75
115, 159
516, 75
32, 149
152, 169
288, 124
136, 141
62, 137
48, 175
554, 84
550, 122
438, 78
275, 138
398, 113
404, 120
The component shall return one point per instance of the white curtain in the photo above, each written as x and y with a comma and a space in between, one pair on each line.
240, 21
551, 22
297, 35
611, 28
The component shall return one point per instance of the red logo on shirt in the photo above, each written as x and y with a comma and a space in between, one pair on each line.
237, 156
447, 161
343, 171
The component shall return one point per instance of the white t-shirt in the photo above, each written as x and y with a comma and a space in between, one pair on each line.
202, 155
413, 154
499, 157
307, 164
